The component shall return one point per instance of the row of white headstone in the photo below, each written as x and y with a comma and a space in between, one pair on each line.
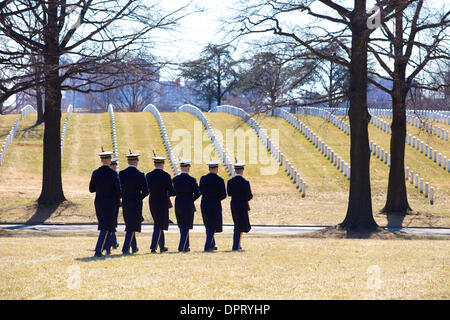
26, 110
325, 114
380, 153
151, 108
113, 133
320, 145
12, 133
63, 134
268, 143
8, 140
414, 142
419, 184
419, 118
440, 116
428, 152
216, 143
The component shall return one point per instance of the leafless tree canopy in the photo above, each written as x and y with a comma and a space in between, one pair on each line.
91, 35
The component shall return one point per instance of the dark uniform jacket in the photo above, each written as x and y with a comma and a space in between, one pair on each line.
212, 188
186, 191
134, 190
161, 188
105, 183
238, 188
116, 214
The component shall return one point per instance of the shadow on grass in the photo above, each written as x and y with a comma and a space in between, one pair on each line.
395, 220
104, 257
379, 234
399, 220
44, 212
169, 253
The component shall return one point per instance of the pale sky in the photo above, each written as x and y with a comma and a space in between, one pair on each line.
194, 31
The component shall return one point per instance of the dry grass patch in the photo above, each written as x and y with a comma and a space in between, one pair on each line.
379, 172
62, 267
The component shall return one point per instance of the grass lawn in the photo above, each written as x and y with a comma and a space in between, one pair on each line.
139, 131
6, 123
437, 214
442, 146
61, 266
276, 201
21, 174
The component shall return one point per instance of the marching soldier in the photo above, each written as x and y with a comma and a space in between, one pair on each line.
212, 188
134, 190
161, 189
238, 188
114, 242
105, 183
186, 192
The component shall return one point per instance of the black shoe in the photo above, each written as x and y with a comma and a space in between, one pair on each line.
98, 254
152, 250
126, 253
187, 250
214, 248
115, 246
108, 252
134, 251
163, 249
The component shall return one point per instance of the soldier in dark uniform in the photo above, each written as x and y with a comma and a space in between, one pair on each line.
113, 238
238, 188
212, 188
105, 183
186, 192
134, 190
161, 189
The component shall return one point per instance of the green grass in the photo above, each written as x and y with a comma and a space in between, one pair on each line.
6, 123
276, 201
442, 146
437, 177
190, 141
51, 266
140, 133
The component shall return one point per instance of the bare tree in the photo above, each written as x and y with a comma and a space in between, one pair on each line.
91, 34
419, 37
274, 75
350, 29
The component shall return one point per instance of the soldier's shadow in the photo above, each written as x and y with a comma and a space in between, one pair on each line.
104, 257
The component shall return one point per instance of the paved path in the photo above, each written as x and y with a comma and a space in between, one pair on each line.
260, 229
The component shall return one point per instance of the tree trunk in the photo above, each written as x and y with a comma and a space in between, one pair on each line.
359, 215
52, 191
397, 198
39, 106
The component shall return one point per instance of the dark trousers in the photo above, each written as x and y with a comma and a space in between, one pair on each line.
210, 241
130, 241
184, 239
114, 239
236, 240
103, 242
157, 239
